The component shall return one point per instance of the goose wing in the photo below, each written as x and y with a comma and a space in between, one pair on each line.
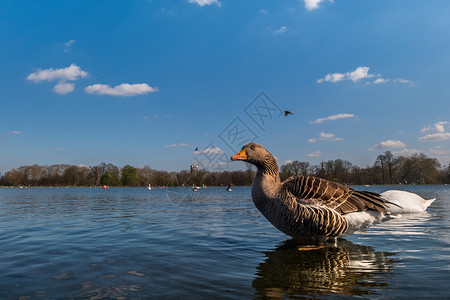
311, 190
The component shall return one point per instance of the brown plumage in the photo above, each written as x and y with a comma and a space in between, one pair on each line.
309, 209
311, 190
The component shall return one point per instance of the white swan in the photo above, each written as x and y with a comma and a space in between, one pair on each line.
405, 202
397, 203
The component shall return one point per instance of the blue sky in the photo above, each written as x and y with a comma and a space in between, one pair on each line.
146, 82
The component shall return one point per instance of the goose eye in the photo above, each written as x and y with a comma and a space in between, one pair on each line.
252, 147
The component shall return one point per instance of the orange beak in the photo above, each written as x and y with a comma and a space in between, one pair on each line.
239, 156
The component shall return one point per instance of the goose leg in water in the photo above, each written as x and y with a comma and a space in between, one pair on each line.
310, 247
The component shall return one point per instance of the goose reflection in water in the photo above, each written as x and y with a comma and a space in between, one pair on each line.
344, 268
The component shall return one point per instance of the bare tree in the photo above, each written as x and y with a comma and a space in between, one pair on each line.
145, 175
381, 161
390, 161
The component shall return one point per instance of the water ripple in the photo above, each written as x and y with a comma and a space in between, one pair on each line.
172, 243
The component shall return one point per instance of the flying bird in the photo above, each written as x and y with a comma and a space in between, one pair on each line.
286, 113
313, 210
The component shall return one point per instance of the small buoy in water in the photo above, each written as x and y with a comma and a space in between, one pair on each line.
105, 187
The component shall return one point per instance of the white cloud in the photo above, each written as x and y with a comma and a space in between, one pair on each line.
324, 137
73, 72
406, 152
205, 2
167, 11
213, 158
210, 151
15, 132
281, 30
315, 154
69, 45
437, 127
328, 136
359, 74
439, 151
332, 118
436, 132
385, 80
123, 89
436, 137
356, 75
64, 88
443, 155
335, 77
380, 80
313, 4
151, 117
401, 80
388, 144
177, 145
263, 11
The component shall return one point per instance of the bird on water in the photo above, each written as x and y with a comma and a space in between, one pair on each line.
310, 209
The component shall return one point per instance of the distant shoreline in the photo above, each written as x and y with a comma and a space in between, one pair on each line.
188, 187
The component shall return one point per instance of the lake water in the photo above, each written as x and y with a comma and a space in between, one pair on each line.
174, 243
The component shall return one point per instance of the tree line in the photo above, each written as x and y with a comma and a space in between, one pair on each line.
111, 175
387, 169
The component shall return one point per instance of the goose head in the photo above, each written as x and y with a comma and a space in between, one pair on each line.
257, 155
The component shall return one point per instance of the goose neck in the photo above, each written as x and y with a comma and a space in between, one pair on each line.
267, 184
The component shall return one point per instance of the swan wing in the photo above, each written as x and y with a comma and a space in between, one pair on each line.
309, 190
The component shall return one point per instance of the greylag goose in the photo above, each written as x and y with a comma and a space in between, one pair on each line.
310, 209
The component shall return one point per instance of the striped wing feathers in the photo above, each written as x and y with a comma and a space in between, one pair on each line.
310, 190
